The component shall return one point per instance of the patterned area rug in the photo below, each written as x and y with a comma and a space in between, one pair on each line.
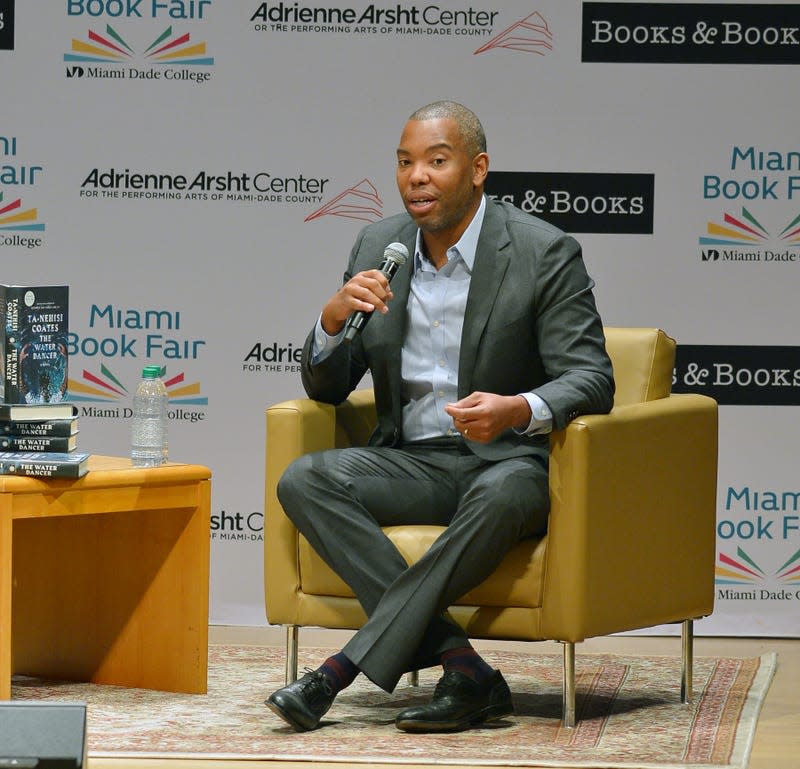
629, 711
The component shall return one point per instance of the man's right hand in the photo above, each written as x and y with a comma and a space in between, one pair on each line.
366, 291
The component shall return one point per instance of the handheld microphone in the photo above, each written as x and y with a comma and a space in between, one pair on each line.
393, 257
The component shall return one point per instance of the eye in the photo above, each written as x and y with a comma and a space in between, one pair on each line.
403, 162
439, 161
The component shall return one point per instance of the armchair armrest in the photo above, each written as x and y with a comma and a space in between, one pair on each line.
633, 497
297, 427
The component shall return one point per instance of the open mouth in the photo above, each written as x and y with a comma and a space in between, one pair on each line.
421, 204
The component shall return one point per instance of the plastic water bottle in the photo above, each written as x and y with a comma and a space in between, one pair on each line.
149, 429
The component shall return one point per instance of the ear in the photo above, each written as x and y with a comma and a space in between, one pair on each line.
480, 168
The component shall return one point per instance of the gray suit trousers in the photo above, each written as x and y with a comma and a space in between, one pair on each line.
340, 499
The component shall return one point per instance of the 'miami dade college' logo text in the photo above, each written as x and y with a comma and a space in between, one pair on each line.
161, 53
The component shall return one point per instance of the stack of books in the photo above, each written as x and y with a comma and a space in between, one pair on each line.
38, 427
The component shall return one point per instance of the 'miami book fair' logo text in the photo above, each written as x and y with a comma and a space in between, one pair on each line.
529, 34
126, 339
128, 53
19, 224
760, 189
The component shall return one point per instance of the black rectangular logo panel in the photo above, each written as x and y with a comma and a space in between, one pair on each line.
740, 375
580, 202
691, 33
6, 25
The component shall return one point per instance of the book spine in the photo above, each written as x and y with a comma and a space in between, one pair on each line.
61, 428
11, 344
39, 468
35, 443
3, 345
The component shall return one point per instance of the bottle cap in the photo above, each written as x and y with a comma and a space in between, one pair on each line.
151, 372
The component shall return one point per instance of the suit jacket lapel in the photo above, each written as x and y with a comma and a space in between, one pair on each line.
394, 325
491, 262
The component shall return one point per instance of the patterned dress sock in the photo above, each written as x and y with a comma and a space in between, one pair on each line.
339, 671
467, 661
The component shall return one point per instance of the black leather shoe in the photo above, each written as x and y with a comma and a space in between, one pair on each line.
459, 703
302, 703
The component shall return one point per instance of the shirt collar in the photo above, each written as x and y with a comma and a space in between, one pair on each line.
467, 244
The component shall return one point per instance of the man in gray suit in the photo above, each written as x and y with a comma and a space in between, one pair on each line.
486, 340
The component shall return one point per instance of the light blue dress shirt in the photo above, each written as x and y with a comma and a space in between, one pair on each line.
436, 305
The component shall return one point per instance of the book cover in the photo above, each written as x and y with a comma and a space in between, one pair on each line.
36, 412
57, 443
61, 428
33, 343
44, 464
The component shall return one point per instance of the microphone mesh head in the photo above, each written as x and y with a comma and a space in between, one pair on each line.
397, 252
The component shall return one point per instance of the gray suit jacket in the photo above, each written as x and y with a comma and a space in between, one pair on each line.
530, 324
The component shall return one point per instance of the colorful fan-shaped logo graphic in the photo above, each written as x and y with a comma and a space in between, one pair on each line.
105, 387
743, 570
111, 48
13, 217
359, 202
745, 229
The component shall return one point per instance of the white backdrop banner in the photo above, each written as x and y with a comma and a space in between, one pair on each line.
197, 170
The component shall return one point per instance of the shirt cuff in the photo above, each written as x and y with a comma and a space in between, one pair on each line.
541, 416
323, 344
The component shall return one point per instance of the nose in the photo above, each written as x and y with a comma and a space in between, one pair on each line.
418, 174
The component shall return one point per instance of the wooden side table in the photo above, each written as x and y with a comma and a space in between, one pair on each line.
106, 578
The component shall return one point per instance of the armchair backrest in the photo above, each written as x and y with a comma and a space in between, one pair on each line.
643, 361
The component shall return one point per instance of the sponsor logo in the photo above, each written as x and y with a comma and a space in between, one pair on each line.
531, 34
739, 375
359, 202
696, 33
742, 238
758, 517
17, 223
580, 202
237, 527
182, 10
106, 387
169, 56
231, 186
272, 358
139, 334
754, 176
6, 25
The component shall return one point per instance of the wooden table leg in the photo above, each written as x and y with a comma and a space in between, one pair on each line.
5, 597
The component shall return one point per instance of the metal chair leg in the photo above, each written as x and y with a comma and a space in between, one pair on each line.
687, 660
568, 692
292, 632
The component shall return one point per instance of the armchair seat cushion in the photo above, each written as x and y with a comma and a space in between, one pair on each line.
517, 581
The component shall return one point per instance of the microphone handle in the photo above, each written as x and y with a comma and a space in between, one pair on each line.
359, 319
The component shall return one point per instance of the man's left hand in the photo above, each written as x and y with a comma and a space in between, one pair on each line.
482, 416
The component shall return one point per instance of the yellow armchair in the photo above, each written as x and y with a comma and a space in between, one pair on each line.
631, 535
